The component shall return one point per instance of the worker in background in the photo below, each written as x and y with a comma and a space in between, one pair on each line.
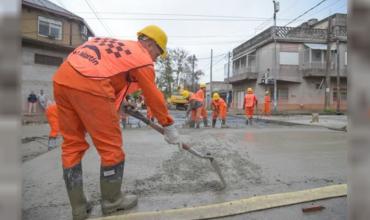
195, 104
51, 113
267, 104
201, 93
250, 102
89, 88
219, 110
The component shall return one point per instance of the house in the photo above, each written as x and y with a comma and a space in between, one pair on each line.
49, 34
300, 70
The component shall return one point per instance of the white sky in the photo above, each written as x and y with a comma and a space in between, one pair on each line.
225, 25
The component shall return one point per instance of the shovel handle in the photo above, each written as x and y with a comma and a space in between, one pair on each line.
160, 129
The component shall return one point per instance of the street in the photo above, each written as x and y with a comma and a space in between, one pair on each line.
261, 159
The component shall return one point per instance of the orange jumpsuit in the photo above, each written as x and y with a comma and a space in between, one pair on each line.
52, 116
250, 101
89, 88
201, 95
196, 113
219, 108
267, 104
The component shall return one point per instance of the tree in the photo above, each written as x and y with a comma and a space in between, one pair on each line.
179, 57
165, 74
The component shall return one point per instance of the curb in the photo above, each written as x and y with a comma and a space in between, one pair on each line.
241, 206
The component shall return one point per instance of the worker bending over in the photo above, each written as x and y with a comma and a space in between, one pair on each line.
89, 88
219, 110
195, 104
250, 102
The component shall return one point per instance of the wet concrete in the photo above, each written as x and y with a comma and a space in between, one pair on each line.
256, 160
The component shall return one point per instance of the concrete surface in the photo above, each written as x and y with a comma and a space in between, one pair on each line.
256, 160
327, 121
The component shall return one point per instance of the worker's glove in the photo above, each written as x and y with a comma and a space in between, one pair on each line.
171, 136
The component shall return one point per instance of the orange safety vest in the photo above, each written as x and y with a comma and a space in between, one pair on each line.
195, 96
105, 57
200, 94
250, 100
101, 58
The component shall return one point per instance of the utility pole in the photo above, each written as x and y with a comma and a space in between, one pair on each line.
228, 78
210, 75
328, 62
276, 9
338, 79
192, 72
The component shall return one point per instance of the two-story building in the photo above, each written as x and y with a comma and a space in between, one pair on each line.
49, 34
296, 58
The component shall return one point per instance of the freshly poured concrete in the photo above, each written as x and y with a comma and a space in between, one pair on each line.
257, 160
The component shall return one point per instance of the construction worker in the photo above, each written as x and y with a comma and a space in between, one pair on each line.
52, 117
201, 93
219, 110
250, 101
89, 88
194, 106
267, 104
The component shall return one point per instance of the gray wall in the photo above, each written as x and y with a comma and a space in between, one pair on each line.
36, 76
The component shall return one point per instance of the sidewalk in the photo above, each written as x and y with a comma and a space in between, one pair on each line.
336, 122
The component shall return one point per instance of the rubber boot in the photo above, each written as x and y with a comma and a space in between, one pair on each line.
223, 124
197, 124
250, 121
74, 184
50, 143
192, 124
214, 123
246, 121
113, 199
205, 121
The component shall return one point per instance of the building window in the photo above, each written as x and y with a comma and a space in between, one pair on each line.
48, 60
343, 94
283, 94
289, 58
84, 32
316, 56
50, 28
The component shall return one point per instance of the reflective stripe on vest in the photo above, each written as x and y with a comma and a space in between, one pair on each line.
105, 57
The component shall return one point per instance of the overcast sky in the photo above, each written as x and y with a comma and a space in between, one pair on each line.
197, 25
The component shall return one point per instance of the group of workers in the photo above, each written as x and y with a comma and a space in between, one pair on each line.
89, 89
197, 108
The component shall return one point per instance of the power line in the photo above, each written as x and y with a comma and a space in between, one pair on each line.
97, 17
184, 19
315, 6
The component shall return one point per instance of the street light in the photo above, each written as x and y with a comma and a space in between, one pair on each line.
276, 10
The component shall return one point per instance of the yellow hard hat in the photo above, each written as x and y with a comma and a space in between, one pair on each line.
157, 34
249, 90
202, 85
185, 93
216, 96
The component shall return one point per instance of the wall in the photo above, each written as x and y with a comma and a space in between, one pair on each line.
36, 76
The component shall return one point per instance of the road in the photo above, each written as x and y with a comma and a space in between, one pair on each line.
256, 160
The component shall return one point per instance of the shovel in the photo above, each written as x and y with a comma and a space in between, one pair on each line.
136, 114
